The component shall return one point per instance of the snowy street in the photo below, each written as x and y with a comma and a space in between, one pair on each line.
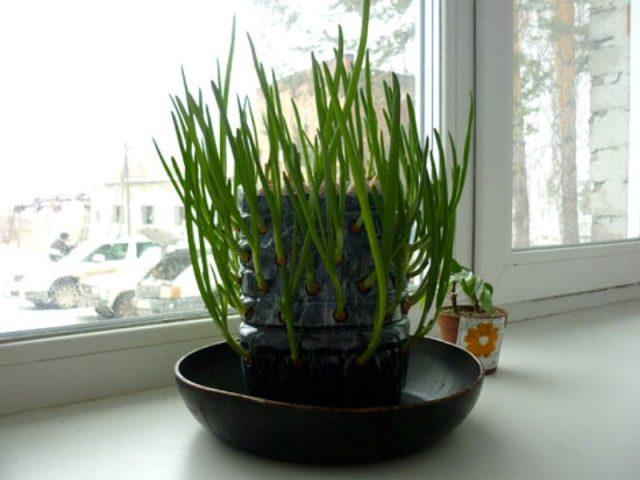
16, 315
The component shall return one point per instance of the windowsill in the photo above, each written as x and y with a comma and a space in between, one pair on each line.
64, 369
99, 341
563, 404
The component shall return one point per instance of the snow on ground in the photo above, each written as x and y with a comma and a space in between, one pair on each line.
17, 314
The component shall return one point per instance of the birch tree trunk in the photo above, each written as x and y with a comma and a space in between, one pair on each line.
610, 109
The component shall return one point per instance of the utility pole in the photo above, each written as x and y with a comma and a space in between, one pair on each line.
127, 191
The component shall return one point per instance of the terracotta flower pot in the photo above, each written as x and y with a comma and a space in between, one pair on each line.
478, 333
448, 323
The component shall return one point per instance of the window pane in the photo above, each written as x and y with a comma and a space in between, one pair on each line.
147, 212
118, 215
575, 162
142, 247
117, 251
179, 217
90, 81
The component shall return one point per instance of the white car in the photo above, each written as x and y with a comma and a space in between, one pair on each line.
169, 287
56, 284
113, 294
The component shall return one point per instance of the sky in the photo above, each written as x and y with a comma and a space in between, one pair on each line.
78, 79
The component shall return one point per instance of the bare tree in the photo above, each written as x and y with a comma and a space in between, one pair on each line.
564, 40
521, 217
538, 37
396, 14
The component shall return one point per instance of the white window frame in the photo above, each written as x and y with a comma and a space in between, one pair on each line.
457, 83
46, 371
38, 373
55, 366
527, 274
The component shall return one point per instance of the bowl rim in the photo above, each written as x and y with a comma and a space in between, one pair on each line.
319, 408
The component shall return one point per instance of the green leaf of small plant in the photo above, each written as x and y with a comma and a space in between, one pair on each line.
479, 292
486, 299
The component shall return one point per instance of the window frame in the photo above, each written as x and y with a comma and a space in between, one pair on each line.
456, 85
51, 366
426, 81
42, 372
55, 366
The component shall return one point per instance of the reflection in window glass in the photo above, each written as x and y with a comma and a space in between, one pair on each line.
574, 160
94, 172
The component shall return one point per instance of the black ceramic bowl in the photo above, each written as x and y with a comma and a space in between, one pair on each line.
443, 384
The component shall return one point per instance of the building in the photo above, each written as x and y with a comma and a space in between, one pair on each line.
138, 199
142, 201
35, 225
299, 86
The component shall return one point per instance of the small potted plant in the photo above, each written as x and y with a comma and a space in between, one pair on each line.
478, 326
313, 237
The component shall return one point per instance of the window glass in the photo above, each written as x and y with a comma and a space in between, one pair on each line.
147, 214
108, 252
118, 215
179, 217
91, 81
142, 246
576, 157
170, 266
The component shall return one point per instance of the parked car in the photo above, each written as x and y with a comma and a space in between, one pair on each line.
113, 294
56, 284
170, 286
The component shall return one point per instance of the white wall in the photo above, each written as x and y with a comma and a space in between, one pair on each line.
160, 195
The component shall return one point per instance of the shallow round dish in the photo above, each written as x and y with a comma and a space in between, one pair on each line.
443, 384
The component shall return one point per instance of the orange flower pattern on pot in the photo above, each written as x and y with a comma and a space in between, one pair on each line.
482, 340
482, 337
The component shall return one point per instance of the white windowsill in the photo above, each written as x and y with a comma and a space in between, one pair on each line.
58, 370
563, 404
56, 347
